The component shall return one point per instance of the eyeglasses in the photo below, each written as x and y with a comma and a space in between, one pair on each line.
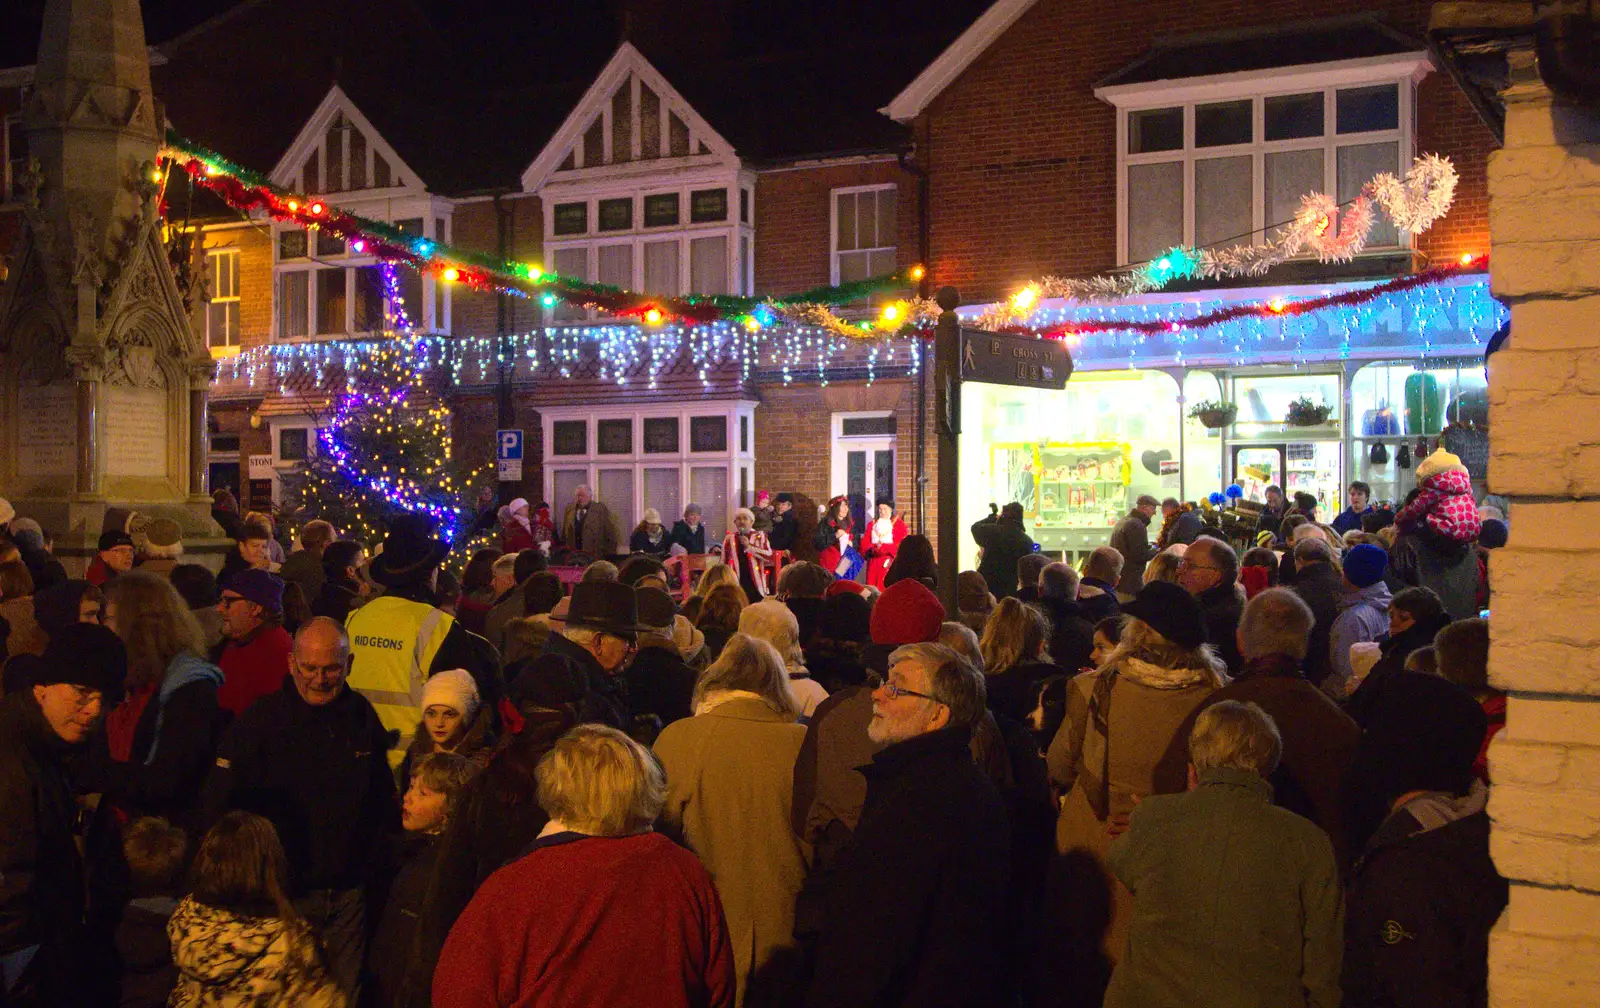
877, 682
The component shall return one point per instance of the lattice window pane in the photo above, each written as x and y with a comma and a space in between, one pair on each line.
1357, 164
1222, 197
708, 265
663, 490
565, 483
708, 487
616, 493
1289, 176
1155, 209
292, 304
616, 265
661, 267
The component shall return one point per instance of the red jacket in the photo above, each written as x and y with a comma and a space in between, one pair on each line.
253, 669
624, 922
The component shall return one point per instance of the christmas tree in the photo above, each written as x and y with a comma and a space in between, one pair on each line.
386, 447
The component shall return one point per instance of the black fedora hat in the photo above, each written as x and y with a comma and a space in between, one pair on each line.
410, 551
607, 606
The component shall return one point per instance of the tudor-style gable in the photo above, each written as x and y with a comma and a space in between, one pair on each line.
338, 150
639, 191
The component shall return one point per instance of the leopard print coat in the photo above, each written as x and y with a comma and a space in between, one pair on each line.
228, 960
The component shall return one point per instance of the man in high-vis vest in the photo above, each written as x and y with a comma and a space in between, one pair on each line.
401, 638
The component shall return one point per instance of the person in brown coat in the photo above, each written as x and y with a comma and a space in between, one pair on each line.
587, 526
730, 781
1124, 739
1131, 538
1319, 739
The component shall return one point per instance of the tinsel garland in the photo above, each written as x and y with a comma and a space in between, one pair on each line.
1413, 205
248, 191
1260, 309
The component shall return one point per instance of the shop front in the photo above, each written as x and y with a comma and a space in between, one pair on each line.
1307, 405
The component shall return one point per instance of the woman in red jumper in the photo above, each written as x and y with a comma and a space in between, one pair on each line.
601, 910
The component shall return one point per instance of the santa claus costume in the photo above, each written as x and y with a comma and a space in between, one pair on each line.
881, 543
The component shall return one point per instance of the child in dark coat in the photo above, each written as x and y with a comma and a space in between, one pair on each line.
154, 850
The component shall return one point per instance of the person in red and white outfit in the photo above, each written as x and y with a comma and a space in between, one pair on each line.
747, 550
882, 542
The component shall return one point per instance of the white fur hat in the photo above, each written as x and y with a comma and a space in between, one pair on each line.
454, 689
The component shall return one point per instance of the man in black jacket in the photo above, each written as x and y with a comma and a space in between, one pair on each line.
311, 758
43, 942
1071, 632
1425, 893
1004, 542
1320, 587
598, 637
913, 910
1209, 571
660, 683
785, 528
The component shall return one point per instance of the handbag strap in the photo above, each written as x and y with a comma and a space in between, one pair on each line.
1100, 717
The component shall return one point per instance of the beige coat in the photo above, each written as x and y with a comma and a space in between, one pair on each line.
730, 782
27, 637
1152, 710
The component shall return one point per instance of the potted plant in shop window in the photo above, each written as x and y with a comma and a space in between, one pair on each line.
1214, 413
1305, 413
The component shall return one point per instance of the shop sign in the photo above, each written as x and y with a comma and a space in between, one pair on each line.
999, 359
261, 466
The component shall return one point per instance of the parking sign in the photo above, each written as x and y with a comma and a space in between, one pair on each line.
508, 454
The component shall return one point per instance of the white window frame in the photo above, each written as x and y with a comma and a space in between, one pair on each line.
1404, 70
841, 444
833, 224
228, 251
432, 316
684, 460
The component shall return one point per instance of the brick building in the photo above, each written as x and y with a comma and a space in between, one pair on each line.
997, 143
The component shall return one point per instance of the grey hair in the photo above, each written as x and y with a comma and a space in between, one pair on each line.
584, 487
961, 639
751, 665
1059, 581
1313, 549
953, 680
1277, 621
692, 506
506, 564
1239, 736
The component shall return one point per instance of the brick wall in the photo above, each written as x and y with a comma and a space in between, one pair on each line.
794, 221
1544, 392
475, 313
794, 439
255, 281
1022, 154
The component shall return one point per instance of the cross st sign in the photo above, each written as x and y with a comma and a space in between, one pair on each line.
1002, 359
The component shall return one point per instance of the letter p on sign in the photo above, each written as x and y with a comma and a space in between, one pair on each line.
508, 455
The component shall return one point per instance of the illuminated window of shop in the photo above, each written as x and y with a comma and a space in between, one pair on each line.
1264, 403
1210, 164
1394, 403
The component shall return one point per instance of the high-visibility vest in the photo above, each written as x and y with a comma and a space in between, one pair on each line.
393, 642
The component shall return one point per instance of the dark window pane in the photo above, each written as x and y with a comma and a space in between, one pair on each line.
410, 283
707, 205
883, 475
329, 245
615, 437
571, 218
661, 435
225, 443
291, 244
331, 290
1290, 117
369, 300
1222, 123
1155, 130
569, 437
744, 433
661, 210
867, 426
616, 214
708, 433
292, 444
744, 206
411, 225
1363, 110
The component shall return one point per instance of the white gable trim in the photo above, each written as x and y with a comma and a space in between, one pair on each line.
596, 102
953, 62
311, 134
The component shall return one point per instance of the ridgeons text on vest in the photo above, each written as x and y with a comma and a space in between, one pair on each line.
385, 643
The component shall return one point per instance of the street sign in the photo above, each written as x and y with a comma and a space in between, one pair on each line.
1001, 359
508, 455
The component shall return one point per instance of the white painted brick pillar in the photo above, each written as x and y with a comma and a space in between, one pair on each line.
1544, 388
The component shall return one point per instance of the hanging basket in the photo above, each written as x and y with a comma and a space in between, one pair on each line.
1214, 415
1305, 413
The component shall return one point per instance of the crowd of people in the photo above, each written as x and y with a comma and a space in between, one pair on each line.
1177, 773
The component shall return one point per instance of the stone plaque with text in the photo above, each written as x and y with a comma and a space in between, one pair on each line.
135, 430
47, 430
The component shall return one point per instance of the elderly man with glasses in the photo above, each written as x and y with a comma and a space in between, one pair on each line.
912, 911
255, 645
1209, 571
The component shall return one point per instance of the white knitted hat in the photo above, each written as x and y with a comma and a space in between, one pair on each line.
454, 689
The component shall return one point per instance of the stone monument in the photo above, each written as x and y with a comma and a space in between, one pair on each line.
102, 380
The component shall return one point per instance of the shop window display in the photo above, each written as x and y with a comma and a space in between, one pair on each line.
1394, 403
1074, 459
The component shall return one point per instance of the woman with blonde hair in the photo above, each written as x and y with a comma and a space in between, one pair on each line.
773, 622
730, 784
713, 577
1014, 645
159, 743
651, 925
1123, 740
1162, 567
236, 939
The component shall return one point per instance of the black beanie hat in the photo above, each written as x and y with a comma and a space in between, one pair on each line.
1169, 611
1424, 737
87, 655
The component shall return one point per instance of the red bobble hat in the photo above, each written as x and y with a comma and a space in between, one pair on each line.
906, 613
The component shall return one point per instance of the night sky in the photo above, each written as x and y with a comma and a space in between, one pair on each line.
495, 38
